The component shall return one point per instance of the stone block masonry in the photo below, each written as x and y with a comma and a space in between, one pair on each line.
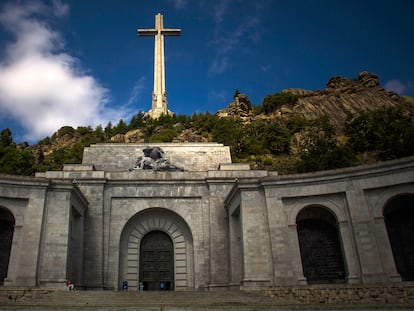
392, 294
190, 157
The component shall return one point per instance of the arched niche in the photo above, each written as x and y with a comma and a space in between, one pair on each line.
7, 222
399, 221
320, 246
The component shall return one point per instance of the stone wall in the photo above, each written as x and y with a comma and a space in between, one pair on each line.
354, 198
188, 156
345, 294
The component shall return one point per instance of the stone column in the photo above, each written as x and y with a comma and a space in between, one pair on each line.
94, 233
30, 245
257, 258
351, 261
235, 240
385, 250
54, 267
364, 232
218, 239
296, 258
15, 253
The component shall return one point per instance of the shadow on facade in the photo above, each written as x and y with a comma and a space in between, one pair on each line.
399, 219
320, 246
6, 238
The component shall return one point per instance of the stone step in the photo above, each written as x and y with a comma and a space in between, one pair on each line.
148, 299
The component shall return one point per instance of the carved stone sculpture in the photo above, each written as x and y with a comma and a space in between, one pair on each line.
154, 159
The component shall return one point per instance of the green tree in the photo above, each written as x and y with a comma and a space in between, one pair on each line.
108, 132
277, 138
164, 135
120, 128
13, 160
320, 150
387, 131
6, 138
229, 131
273, 102
137, 121
18, 162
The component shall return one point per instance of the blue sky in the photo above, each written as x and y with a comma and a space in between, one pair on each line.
80, 62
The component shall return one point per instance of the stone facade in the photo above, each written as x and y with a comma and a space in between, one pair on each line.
230, 227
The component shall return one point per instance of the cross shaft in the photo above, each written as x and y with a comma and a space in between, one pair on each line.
159, 95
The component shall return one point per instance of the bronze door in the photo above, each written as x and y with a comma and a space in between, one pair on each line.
156, 261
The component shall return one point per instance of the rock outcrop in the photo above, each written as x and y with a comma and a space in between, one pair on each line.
343, 97
240, 107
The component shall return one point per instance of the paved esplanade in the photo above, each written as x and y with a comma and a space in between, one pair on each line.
159, 95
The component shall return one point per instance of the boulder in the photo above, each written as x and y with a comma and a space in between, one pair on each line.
134, 136
368, 79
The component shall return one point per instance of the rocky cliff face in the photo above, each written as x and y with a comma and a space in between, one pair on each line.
343, 96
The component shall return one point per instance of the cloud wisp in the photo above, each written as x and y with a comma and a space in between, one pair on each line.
41, 87
179, 4
398, 86
136, 92
227, 41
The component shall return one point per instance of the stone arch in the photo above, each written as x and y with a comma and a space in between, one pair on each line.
164, 220
381, 199
320, 245
399, 220
327, 204
7, 223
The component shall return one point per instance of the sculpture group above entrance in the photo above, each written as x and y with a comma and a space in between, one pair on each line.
154, 159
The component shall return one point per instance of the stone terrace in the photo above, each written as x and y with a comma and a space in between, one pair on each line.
279, 298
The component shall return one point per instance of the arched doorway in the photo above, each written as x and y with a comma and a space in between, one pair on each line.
156, 261
320, 246
399, 220
6, 238
156, 230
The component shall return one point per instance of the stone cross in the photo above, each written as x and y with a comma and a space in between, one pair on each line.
159, 95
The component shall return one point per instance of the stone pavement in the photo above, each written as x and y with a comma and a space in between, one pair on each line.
166, 301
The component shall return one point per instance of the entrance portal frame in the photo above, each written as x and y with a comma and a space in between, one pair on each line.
157, 219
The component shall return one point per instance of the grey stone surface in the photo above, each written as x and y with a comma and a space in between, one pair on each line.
231, 228
189, 156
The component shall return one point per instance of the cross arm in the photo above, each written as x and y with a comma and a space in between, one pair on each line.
171, 32
147, 32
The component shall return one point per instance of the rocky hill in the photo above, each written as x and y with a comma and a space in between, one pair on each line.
341, 98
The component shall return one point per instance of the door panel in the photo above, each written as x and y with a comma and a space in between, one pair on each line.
156, 261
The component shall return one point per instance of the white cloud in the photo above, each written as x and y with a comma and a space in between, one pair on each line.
59, 8
228, 41
219, 65
220, 10
265, 68
398, 86
41, 87
179, 4
136, 91
217, 97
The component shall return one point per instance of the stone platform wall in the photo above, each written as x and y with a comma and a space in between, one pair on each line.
188, 156
393, 294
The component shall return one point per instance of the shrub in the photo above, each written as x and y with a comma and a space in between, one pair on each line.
271, 103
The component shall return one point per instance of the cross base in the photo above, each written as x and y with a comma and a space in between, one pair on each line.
156, 113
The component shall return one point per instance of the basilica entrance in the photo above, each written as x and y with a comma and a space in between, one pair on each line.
156, 252
156, 268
